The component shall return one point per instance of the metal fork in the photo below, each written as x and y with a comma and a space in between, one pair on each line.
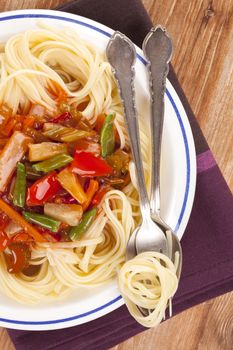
157, 48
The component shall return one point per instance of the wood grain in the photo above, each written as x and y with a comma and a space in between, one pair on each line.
202, 31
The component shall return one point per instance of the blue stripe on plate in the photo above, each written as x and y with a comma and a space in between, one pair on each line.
65, 319
105, 33
187, 185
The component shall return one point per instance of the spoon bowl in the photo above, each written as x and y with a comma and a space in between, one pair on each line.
174, 246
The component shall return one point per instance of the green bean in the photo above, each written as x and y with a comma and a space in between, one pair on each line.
107, 136
42, 220
53, 163
87, 219
20, 186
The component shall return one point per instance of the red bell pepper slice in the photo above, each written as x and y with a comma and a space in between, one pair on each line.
86, 164
43, 189
99, 195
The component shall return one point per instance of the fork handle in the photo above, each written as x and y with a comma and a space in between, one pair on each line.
121, 54
157, 47
127, 94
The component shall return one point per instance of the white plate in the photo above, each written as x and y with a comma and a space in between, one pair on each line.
178, 180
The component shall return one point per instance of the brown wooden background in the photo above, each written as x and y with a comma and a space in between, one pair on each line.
202, 31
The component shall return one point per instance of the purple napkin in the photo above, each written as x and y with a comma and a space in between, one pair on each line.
208, 240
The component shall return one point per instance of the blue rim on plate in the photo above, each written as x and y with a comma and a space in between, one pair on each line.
187, 156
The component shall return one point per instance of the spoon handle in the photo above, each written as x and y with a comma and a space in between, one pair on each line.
157, 48
121, 55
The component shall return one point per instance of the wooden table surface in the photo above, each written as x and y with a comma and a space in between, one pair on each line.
202, 31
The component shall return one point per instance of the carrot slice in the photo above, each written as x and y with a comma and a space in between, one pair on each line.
28, 122
8, 127
92, 189
99, 122
15, 216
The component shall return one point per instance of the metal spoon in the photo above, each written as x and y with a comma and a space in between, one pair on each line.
157, 48
121, 55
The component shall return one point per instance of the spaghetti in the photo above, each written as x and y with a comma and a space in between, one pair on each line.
39, 69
